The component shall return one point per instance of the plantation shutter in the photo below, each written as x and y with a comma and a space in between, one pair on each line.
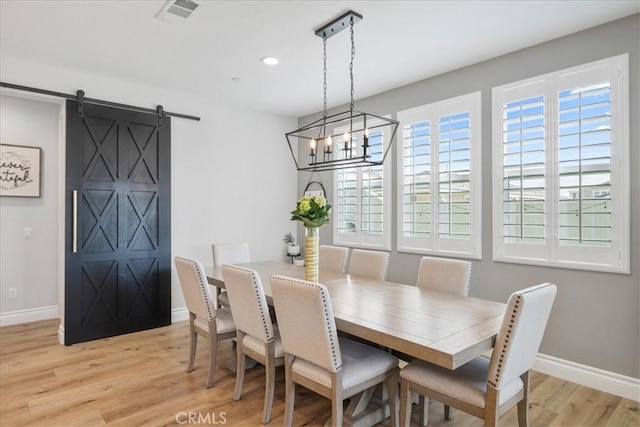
372, 194
523, 170
439, 181
564, 168
362, 196
584, 154
454, 156
416, 179
346, 200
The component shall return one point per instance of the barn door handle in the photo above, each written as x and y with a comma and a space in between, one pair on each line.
74, 220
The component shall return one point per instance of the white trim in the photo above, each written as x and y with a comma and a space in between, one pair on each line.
51, 312
179, 314
588, 376
61, 333
28, 315
62, 219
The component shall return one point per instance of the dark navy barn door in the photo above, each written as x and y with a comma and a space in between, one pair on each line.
118, 225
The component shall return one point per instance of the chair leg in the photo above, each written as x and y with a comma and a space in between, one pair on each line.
405, 403
289, 391
193, 342
523, 413
240, 364
423, 410
491, 407
447, 412
213, 352
392, 391
269, 387
337, 404
523, 405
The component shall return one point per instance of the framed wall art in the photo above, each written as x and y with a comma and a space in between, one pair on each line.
20, 170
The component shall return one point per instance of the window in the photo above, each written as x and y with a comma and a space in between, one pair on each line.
439, 178
561, 185
363, 197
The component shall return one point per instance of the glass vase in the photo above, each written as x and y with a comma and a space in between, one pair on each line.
312, 240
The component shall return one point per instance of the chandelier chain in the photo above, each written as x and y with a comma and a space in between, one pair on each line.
353, 54
324, 72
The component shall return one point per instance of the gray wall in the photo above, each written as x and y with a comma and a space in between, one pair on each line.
30, 265
595, 319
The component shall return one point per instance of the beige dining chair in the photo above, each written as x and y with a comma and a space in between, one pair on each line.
369, 264
488, 388
335, 368
444, 275
204, 319
257, 337
333, 258
228, 253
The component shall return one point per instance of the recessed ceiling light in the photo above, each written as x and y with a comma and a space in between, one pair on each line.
269, 60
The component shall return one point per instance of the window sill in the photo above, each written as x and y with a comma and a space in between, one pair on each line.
603, 268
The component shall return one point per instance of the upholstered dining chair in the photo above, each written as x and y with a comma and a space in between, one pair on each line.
488, 388
369, 264
257, 337
333, 258
317, 359
204, 319
228, 253
444, 275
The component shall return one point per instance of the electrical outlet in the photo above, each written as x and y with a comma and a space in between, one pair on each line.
13, 293
27, 233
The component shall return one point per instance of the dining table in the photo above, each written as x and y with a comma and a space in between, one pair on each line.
441, 328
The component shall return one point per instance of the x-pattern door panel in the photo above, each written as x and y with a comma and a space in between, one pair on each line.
118, 281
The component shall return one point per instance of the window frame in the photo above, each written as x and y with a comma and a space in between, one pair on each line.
470, 248
358, 239
551, 253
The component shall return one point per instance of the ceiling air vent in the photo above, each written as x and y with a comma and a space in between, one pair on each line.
177, 11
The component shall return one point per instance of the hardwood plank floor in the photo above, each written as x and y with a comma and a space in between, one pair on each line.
141, 379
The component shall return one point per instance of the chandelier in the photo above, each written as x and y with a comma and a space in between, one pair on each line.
348, 139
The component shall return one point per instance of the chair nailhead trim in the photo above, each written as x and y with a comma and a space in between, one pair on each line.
514, 314
386, 267
503, 351
259, 299
203, 289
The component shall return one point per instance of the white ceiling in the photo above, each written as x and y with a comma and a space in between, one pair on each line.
397, 42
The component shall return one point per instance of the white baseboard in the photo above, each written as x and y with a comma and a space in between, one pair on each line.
51, 312
599, 379
61, 334
28, 315
179, 314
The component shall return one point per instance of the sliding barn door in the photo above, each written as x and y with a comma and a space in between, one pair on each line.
118, 226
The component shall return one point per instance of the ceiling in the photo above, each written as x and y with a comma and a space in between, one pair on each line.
216, 52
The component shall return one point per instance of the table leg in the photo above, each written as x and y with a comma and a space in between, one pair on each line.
366, 408
232, 361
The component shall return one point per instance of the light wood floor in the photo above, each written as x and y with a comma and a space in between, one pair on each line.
141, 379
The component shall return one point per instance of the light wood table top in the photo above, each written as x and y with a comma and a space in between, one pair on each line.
444, 329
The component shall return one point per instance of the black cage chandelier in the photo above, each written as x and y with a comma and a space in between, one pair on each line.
348, 139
